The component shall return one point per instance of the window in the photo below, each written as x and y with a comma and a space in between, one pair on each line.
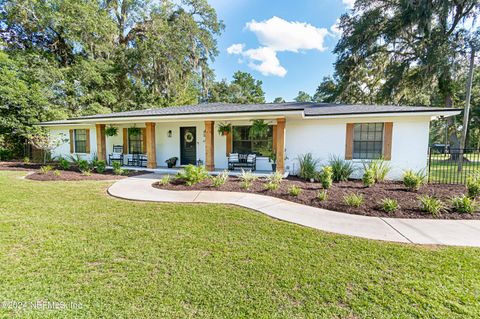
80, 138
243, 143
135, 141
368, 141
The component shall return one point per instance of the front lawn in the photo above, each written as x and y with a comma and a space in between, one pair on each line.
68, 242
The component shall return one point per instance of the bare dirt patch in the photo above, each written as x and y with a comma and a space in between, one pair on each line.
408, 201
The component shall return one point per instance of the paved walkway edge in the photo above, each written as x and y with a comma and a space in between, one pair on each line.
414, 231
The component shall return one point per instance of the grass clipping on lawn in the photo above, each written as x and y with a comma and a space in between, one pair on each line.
71, 243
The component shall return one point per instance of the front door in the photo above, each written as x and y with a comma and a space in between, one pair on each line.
188, 145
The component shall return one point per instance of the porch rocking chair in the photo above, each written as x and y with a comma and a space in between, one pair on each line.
116, 155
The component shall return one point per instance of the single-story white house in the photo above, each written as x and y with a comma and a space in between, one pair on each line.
399, 134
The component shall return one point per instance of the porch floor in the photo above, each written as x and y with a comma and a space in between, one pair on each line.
165, 170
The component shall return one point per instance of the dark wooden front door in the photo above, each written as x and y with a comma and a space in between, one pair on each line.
188, 145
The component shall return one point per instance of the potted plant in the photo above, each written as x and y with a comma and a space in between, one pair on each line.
171, 162
259, 129
111, 131
224, 128
272, 158
134, 131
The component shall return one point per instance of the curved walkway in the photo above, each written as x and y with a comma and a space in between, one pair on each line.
417, 231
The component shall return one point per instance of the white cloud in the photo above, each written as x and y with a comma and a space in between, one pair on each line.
278, 35
282, 35
236, 48
263, 59
349, 3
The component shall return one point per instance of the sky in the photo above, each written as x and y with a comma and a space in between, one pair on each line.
287, 44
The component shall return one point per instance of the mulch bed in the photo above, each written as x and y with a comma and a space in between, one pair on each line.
408, 201
71, 174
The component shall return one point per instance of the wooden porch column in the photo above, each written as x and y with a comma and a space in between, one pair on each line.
280, 145
151, 145
101, 143
209, 145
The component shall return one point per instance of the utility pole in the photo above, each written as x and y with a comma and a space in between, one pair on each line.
466, 110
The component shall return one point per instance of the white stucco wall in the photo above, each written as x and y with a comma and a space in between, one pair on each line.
321, 137
64, 149
324, 138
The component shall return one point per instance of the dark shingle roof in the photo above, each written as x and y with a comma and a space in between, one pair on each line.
308, 109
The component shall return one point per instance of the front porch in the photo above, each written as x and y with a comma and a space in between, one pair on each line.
196, 142
163, 170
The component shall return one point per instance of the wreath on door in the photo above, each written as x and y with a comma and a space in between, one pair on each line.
188, 137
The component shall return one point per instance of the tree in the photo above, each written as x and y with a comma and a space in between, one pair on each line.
327, 91
46, 142
244, 89
279, 100
303, 97
403, 51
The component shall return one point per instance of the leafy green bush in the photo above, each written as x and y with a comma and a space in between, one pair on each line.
100, 167
247, 179
165, 180
353, 200
117, 168
464, 204
379, 167
26, 160
192, 174
431, 205
45, 169
63, 163
326, 177
473, 185
341, 169
220, 179
294, 190
389, 205
271, 186
413, 180
322, 195
84, 166
368, 178
308, 166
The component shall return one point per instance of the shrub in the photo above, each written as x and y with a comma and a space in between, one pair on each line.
322, 195
353, 200
308, 166
45, 169
341, 169
220, 179
464, 204
413, 180
294, 190
117, 168
379, 167
273, 181
431, 205
389, 205
368, 178
326, 177
247, 179
63, 163
473, 185
192, 174
26, 160
83, 166
101, 167
165, 180
56, 172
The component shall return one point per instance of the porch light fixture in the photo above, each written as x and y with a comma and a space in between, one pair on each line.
169, 133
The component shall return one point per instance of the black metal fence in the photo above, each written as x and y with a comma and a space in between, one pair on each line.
452, 166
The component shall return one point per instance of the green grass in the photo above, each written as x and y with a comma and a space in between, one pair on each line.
443, 170
70, 242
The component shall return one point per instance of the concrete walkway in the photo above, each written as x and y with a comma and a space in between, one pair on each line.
417, 231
